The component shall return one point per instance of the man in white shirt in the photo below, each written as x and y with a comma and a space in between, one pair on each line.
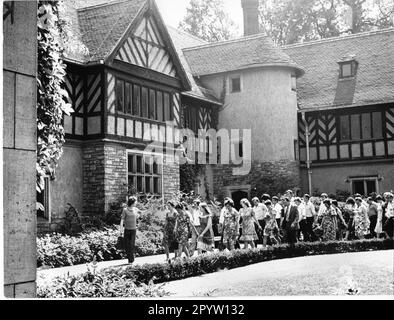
194, 215
309, 212
278, 210
260, 211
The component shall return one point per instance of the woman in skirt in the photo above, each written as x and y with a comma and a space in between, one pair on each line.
249, 235
230, 224
328, 222
181, 230
169, 241
349, 212
342, 226
205, 240
361, 219
271, 229
379, 222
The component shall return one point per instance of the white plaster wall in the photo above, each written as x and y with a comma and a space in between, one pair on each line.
266, 105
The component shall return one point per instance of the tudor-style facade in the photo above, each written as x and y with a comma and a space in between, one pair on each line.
126, 95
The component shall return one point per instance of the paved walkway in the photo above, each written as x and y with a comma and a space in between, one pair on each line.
371, 272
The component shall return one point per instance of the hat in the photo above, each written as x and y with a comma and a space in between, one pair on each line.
307, 195
255, 199
298, 199
266, 196
390, 195
324, 195
350, 200
359, 199
228, 201
268, 202
378, 197
275, 198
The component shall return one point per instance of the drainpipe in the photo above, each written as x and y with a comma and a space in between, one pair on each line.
308, 162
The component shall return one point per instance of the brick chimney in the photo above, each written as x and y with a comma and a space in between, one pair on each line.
251, 16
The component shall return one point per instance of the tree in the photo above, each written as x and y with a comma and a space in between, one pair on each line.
208, 20
291, 21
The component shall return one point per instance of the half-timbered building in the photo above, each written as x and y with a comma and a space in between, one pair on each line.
320, 114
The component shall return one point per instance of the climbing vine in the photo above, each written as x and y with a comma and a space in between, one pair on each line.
52, 98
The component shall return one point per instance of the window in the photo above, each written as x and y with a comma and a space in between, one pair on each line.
364, 185
364, 126
43, 198
144, 173
293, 82
142, 101
191, 119
235, 84
347, 69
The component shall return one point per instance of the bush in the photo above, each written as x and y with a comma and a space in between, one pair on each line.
100, 285
213, 262
56, 250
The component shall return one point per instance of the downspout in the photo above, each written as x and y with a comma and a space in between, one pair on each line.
308, 162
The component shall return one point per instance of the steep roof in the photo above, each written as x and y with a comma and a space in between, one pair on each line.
320, 87
102, 26
183, 40
242, 53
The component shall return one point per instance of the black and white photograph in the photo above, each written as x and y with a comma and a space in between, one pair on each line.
199, 150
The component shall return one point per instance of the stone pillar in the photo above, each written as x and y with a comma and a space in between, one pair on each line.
19, 147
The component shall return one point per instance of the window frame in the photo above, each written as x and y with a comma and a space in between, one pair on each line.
143, 174
352, 180
360, 126
353, 69
233, 77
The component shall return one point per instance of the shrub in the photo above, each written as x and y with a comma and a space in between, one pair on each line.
97, 285
56, 250
213, 262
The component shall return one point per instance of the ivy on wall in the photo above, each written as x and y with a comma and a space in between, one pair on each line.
51, 96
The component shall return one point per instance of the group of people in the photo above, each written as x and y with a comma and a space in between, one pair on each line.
267, 220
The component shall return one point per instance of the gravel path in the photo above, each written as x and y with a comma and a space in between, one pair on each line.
369, 272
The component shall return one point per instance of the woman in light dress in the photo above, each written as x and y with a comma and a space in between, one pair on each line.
249, 220
205, 240
361, 219
230, 224
328, 222
379, 222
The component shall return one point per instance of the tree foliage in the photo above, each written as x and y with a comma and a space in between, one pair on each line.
291, 21
208, 20
51, 97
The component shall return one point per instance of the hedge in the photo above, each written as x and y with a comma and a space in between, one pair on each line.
57, 250
181, 269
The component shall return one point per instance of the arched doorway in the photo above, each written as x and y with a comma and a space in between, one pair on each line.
237, 196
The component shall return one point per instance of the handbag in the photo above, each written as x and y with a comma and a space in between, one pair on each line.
120, 243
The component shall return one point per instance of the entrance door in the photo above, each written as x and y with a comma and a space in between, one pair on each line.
237, 196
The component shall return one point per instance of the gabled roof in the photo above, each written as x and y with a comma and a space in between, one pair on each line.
243, 53
183, 40
320, 87
103, 28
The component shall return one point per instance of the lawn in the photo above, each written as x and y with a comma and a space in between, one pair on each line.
371, 273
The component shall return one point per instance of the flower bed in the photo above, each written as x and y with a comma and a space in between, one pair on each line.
97, 285
228, 260
56, 250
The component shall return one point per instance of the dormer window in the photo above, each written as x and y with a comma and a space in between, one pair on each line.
347, 69
235, 84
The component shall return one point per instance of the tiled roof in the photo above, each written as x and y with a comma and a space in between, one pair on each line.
320, 87
231, 55
102, 26
183, 40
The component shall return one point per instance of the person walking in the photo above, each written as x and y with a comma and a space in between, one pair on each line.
341, 223
205, 241
379, 221
128, 226
181, 230
292, 221
260, 211
349, 213
328, 222
278, 210
248, 224
230, 225
372, 215
195, 214
271, 230
169, 241
361, 220
389, 224
310, 213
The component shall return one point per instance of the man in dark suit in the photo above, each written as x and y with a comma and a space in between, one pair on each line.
292, 221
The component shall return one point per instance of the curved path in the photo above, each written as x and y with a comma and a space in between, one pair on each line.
371, 273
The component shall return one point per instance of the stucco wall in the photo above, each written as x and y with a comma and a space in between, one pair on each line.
331, 178
68, 185
19, 149
266, 105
